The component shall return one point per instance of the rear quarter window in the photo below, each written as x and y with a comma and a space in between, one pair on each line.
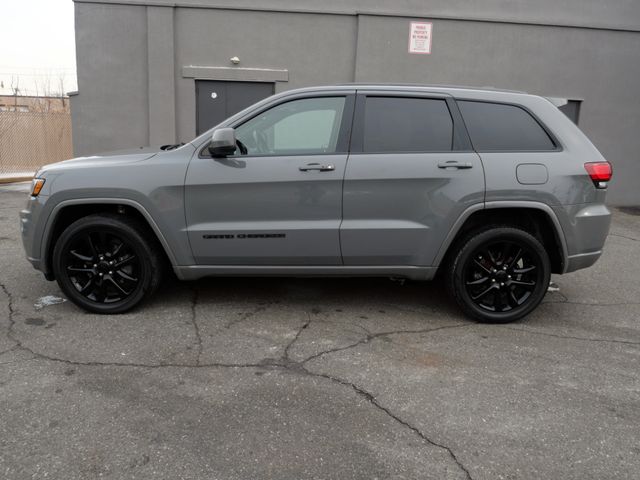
501, 127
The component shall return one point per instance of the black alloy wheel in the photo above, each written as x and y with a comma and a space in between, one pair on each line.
104, 264
500, 275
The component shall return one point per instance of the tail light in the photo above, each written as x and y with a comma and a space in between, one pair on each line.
600, 173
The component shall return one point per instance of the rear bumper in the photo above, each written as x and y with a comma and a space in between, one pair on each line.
585, 228
580, 261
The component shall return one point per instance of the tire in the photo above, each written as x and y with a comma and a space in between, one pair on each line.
104, 263
499, 274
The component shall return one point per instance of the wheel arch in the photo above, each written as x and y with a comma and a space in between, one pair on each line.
536, 218
67, 212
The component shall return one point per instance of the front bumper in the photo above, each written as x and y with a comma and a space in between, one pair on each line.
31, 238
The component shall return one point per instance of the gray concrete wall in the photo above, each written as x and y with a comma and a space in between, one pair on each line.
161, 71
111, 108
136, 81
600, 66
314, 49
619, 14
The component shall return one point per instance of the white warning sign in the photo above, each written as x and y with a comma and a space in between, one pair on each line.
420, 37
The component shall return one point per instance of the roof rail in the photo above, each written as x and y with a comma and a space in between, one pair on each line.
425, 85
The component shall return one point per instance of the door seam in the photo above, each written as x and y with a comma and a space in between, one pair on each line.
344, 175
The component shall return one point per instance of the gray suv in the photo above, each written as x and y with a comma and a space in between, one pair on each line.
494, 190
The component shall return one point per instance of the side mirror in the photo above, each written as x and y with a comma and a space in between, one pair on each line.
223, 142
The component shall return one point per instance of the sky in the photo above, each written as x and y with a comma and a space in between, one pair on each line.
37, 46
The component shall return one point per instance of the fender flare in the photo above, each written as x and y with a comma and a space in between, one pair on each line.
51, 219
504, 204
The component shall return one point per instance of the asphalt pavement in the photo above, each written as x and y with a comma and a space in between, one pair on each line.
236, 378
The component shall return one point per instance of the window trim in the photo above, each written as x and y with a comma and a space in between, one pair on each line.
556, 143
344, 135
460, 141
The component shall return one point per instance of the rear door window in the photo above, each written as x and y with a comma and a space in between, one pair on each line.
403, 124
501, 127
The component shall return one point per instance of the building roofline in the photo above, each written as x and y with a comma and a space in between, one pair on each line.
46, 97
595, 15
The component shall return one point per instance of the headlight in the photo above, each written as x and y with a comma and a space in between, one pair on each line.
36, 186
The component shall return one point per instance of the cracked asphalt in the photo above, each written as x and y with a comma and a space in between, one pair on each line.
320, 379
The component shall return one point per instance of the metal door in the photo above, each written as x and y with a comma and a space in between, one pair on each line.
217, 101
272, 206
399, 206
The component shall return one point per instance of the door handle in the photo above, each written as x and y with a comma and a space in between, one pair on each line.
455, 164
317, 167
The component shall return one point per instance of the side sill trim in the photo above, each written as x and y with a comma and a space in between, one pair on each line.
193, 272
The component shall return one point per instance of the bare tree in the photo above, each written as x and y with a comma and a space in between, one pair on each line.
15, 88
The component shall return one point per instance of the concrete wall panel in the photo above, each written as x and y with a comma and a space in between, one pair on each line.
315, 49
161, 88
599, 66
111, 50
618, 14
132, 59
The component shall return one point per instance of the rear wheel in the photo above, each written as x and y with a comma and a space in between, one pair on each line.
104, 264
499, 274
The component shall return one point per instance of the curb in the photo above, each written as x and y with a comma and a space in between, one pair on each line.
5, 180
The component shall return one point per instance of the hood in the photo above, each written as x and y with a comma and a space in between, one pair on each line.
120, 156
129, 151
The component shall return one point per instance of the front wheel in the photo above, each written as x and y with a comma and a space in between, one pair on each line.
104, 264
499, 275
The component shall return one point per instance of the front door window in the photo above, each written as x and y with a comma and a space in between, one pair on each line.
300, 127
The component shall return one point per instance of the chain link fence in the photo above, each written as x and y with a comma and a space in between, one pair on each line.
29, 140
